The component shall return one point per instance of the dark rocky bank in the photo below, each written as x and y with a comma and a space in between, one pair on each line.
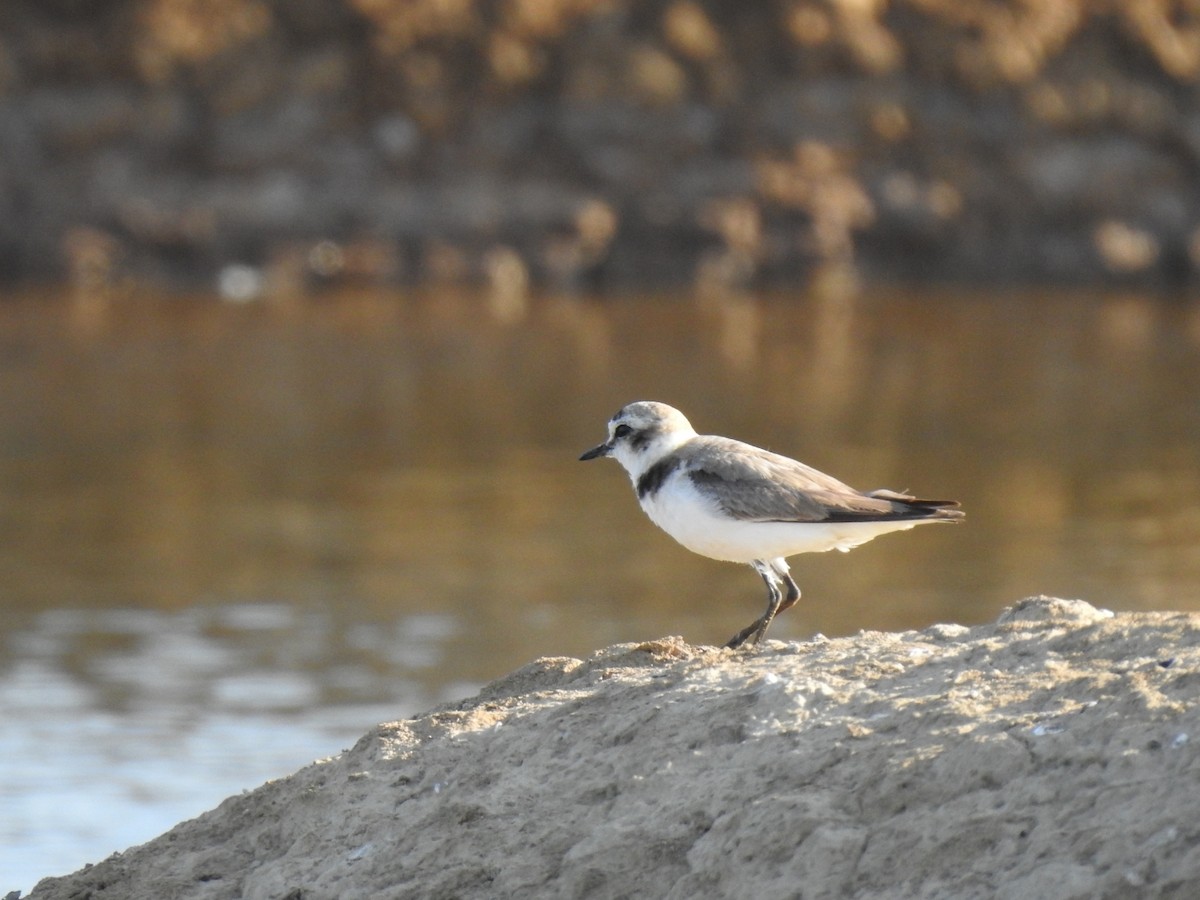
267, 145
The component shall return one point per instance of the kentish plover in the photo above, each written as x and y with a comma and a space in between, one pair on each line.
736, 502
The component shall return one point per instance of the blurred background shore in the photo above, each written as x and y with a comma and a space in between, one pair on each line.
308, 307
598, 143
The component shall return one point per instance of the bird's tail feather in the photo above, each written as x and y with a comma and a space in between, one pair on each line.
937, 509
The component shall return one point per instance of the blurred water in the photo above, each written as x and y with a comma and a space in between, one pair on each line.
232, 539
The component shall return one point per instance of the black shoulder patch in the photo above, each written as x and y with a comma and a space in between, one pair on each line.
652, 479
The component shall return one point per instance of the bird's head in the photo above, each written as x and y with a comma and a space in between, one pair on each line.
642, 433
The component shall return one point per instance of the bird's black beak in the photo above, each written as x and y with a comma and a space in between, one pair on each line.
597, 451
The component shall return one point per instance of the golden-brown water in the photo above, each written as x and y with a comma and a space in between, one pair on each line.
232, 538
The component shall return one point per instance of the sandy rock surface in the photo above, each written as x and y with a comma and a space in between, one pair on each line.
1055, 753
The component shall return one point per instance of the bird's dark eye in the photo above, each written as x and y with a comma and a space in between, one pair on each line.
621, 430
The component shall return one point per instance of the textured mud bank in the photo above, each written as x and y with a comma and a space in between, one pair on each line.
1053, 753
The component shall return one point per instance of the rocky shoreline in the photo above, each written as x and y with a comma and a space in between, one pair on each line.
262, 147
1052, 753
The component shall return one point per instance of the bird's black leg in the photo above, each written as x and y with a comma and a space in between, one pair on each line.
759, 626
793, 594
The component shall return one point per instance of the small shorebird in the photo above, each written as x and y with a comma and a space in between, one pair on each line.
736, 502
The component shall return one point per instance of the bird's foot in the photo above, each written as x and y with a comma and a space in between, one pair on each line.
754, 629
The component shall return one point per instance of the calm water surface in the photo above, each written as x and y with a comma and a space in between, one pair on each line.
233, 538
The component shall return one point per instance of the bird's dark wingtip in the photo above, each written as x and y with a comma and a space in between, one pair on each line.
944, 510
919, 507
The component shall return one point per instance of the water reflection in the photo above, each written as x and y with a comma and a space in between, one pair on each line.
233, 538
118, 721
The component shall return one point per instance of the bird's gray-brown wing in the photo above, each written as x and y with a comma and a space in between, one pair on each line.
755, 485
